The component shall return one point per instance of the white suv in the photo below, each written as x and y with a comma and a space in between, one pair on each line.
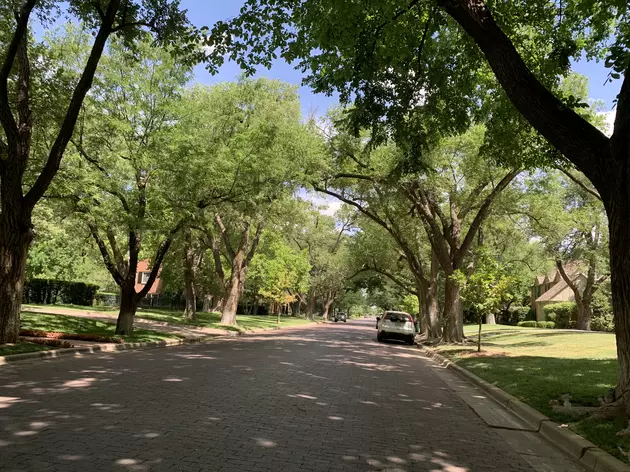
396, 325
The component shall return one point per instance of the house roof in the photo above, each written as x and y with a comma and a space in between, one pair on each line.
553, 292
572, 268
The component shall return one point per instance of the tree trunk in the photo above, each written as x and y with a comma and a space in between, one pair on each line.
218, 306
311, 307
228, 314
585, 313
453, 314
13, 253
207, 299
327, 305
490, 319
128, 307
619, 228
190, 312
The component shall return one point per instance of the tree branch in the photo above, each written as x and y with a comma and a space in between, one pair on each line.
254, 245
567, 131
80, 91
159, 258
579, 183
225, 236
482, 213
118, 278
568, 281
6, 117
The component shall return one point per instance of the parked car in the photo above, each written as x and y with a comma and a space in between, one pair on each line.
396, 325
341, 316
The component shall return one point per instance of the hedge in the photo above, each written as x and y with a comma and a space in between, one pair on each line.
49, 292
562, 314
515, 314
527, 324
537, 324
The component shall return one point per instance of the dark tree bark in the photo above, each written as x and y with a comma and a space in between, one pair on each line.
311, 306
16, 233
604, 161
128, 307
190, 293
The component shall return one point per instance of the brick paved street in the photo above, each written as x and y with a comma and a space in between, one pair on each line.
325, 398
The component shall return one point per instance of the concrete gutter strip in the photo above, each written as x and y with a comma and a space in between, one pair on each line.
584, 452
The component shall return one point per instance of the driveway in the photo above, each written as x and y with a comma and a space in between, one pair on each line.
324, 398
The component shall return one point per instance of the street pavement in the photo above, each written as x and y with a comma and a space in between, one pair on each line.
322, 398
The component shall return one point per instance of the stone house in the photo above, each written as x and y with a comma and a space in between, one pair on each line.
551, 288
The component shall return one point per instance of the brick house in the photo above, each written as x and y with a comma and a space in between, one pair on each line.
142, 277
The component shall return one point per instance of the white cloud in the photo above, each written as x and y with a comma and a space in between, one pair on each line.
325, 204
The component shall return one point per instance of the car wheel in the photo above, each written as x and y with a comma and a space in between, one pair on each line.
379, 338
411, 340
344, 321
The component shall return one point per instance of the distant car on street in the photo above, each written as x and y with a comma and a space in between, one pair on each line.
341, 316
396, 325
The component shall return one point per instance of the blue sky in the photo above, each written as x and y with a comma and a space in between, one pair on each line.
204, 12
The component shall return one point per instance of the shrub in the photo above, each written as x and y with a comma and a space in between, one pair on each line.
527, 324
515, 314
545, 324
562, 313
106, 299
49, 291
603, 322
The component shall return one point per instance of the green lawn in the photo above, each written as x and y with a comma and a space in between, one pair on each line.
213, 320
22, 346
539, 365
77, 308
71, 324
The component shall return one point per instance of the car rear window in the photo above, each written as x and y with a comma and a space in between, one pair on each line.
398, 317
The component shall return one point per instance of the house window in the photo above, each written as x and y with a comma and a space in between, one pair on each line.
143, 277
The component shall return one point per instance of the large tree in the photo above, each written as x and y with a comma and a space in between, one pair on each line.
434, 51
260, 151
24, 176
450, 197
119, 178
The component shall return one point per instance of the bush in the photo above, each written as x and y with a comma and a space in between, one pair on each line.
106, 299
563, 314
49, 292
603, 322
515, 314
527, 324
545, 324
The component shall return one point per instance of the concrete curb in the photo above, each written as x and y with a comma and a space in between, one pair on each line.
97, 348
579, 449
111, 347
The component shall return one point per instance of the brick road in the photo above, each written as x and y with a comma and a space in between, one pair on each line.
327, 398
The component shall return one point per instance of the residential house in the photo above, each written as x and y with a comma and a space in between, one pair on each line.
142, 277
552, 288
